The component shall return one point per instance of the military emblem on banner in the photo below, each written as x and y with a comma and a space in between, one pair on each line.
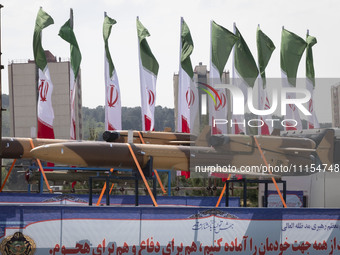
17, 244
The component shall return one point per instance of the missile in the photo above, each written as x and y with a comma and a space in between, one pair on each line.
17, 147
117, 155
236, 151
154, 137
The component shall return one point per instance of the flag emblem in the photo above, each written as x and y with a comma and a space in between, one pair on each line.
190, 98
151, 97
43, 90
113, 96
220, 104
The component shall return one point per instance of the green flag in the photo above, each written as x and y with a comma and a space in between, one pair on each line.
43, 20
245, 73
292, 48
310, 82
265, 48
186, 50
244, 62
148, 60
66, 32
107, 26
311, 41
222, 42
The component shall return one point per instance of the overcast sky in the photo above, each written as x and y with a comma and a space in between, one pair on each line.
162, 19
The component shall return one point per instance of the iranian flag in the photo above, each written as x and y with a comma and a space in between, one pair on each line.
187, 94
265, 48
222, 42
45, 85
310, 82
148, 70
292, 48
66, 33
245, 73
113, 111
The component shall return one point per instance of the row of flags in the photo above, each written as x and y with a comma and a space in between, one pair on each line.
148, 77
245, 73
45, 85
224, 43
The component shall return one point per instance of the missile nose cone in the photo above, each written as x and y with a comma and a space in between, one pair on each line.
37, 152
58, 153
45, 152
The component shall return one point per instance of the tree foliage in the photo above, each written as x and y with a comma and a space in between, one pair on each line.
94, 120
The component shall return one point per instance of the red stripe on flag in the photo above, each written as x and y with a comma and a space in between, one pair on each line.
185, 125
237, 129
214, 129
265, 129
186, 174
147, 123
185, 129
74, 130
111, 127
44, 130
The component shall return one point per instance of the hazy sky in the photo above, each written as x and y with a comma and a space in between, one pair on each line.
162, 19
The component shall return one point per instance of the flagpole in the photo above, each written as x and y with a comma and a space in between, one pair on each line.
211, 82
71, 18
180, 42
259, 89
210, 47
233, 64
179, 103
140, 79
1, 67
105, 94
308, 123
231, 129
72, 95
